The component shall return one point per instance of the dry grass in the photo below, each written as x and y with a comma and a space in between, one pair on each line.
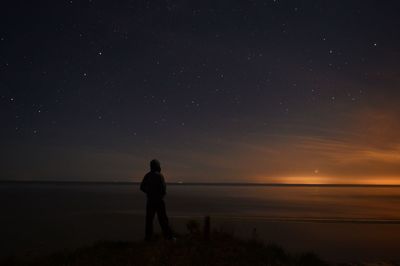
191, 249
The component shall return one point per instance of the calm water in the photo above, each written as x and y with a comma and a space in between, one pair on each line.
339, 223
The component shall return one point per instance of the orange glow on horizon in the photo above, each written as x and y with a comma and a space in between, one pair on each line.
326, 180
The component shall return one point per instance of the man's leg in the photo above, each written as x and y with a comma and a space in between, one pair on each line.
163, 220
150, 212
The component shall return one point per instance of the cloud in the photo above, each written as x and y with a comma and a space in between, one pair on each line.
364, 147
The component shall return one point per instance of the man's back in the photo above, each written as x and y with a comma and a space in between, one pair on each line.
153, 185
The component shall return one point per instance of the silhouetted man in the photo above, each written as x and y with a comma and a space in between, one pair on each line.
153, 185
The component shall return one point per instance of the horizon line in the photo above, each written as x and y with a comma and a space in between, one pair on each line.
180, 183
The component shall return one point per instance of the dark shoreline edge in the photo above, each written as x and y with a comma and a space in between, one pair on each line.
192, 184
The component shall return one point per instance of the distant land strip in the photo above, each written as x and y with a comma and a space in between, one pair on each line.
306, 219
290, 219
194, 183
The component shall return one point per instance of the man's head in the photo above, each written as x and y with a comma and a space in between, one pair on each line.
155, 165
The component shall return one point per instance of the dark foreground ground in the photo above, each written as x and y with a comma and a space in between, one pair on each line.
220, 249
191, 249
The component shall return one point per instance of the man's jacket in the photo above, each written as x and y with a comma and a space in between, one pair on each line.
153, 185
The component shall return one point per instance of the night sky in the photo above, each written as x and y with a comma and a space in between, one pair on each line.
218, 91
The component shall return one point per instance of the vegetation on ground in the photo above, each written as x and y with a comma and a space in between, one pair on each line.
217, 248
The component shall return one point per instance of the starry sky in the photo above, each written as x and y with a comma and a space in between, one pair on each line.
218, 91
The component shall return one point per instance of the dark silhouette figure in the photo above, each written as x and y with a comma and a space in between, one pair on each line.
153, 185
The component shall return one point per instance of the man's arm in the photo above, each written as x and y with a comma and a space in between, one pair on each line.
163, 186
143, 185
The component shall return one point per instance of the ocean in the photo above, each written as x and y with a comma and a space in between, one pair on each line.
339, 223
